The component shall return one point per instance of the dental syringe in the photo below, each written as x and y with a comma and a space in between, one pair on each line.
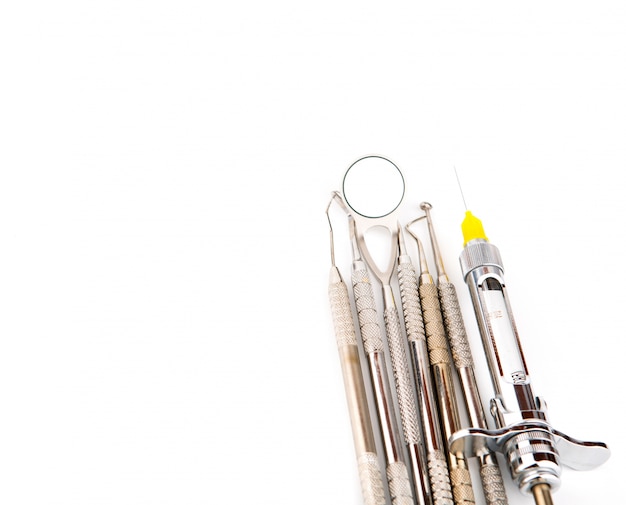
533, 449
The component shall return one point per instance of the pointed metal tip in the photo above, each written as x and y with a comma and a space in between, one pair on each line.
422, 257
401, 242
356, 252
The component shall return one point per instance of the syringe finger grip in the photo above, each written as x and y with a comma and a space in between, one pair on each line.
366, 311
461, 352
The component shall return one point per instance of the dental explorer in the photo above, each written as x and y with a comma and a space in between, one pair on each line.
491, 478
533, 449
426, 397
439, 356
362, 432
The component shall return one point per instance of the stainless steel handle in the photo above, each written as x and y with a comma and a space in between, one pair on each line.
397, 474
491, 477
364, 442
371, 479
406, 398
404, 387
461, 482
366, 309
399, 484
442, 373
455, 328
439, 479
433, 323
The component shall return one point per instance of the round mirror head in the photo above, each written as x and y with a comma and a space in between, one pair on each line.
373, 187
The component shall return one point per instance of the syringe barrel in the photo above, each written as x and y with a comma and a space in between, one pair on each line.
532, 456
484, 274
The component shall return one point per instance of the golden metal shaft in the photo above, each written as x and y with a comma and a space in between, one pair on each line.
541, 493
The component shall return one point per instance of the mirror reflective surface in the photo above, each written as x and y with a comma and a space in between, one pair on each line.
373, 186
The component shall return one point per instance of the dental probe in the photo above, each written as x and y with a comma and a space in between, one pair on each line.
439, 355
493, 486
397, 473
533, 449
425, 389
362, 432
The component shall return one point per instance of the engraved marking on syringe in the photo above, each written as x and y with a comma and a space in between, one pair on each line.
502, 332
490, 316
518, 377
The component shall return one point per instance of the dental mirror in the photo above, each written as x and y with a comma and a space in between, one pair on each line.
373, 187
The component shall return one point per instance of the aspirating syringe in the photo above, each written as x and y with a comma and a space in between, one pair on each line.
533, 449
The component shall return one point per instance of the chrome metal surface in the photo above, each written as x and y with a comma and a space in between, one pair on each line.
533, 449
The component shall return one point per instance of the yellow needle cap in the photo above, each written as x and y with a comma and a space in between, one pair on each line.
472, 228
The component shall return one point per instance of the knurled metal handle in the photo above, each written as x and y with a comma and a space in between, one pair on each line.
371, 479
453, 319
491, 477
342, 314
404, 387
461, 484
399, 484
433, 323
411, 306
493, 485
369, 471
439, 479
366, 311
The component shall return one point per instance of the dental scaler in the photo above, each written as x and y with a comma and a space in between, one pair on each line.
533, 450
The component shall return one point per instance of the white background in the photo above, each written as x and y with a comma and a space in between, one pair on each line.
164, 322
